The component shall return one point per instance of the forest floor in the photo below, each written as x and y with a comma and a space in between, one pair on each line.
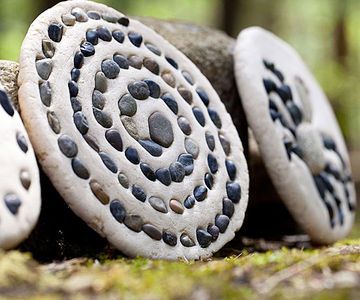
273, 271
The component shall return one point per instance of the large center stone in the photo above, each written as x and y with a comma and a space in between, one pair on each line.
160, 129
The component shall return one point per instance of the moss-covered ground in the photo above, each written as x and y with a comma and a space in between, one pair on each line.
285, 272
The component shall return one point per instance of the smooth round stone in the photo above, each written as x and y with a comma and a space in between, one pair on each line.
67, 146
87, 49
187, 161
210, 140
92, 37
153, 49
100, 82
99, 192
122, 61
228, 207
163, 175
68, 20
123, 21
225, 144
200, 193
13, 203
177, 172
212, 163
98, 99
48, 48
150, 146
119, 36
123, 180
233, 191
78, 60
191, 147
169, 238
184, 125
127, 105
55, 32
160, 129
203, 96
171, 62
295, 112
54, 122
110, 68
103, 118
176, 206
104, 34
214, 231
158, 204
170, 102
135, 61
25, 179
189, 202
79, 14
91, 142
147, 171
188, 77
139, 90
81, 122
73, 88
138, 193
75, 74
132, 155
108, 162
185, 94
209, 180
168, 78
114, 139
152, 231
5, 103
93, 15
44, 68
222, 222
215, 118
199, 116
134, 222
130, 126
186, 240
45, 93
135, 38
204, 238
118, 211
151, 65
231, 169
154, 88
79, 169
21, 140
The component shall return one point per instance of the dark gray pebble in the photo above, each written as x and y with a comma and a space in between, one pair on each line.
67, 146
81, 122
177, 172
204, 238
79, 169
200, 193
132, 155
163, 175
138, 193
114, 139
118, 210
139, 90
152, 231
150, 146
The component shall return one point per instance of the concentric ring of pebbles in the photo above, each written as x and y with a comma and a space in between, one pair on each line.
131, 133
298, 135
19, 186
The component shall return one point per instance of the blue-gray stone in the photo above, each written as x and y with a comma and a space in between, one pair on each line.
209, 180
118, 210
150, 146
222, 222
78, 60
210, 140
213, 164
73, 88
154, 88
110, 68
171, 62
79, 169
186, 240
45, 93
67, 146
228, 207
114, 139
177, 172
81, 122
108, 162
215, 118
104, 34
160, 129
135, 38
169, 238
170, 102
119, 36
200, 193
44, 68
214, 231
92, 36
138, 193
147, 171
163, 175
75, 104
231, 169
122, 61
12, 202
233, 191
295, 112
93, 15
153, 49
98, 100
127, 105
204, 238
189, 202
139, 90
55, 32
75, 74
269, 85
87, 49
187, 77
5, 103
184, 125
203, 96
132, 155
199, 116
21, 140
102, 118
187, 161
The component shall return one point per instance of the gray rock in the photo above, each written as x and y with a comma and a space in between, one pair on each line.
9, 71
160, 129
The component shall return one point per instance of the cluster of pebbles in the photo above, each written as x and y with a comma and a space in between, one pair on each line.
140, 146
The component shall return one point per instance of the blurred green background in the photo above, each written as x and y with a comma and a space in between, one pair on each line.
325, 32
